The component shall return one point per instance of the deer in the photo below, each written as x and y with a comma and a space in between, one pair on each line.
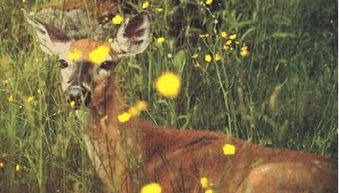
128, 155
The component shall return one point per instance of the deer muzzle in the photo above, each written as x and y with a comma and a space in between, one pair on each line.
78, 95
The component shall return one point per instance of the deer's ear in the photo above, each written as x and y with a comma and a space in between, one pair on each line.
133, 36
52, 41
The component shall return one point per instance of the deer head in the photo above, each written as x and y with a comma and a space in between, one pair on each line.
87, 65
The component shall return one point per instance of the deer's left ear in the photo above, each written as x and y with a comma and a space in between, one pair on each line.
52, 41
133, 36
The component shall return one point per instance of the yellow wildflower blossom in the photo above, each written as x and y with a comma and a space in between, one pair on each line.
17, 167
208, 2
244, 51
74, 55
10, 98
137, 108
72, 104
141, 105
133, 111
208, 58
209, 191
160, 40
233, 36
30, 99
99, 54
228, 149
145, 5
197, 65
124, 117
226, 47
117, 19
194, 56
223, 34
228, 42
217, 57
168, 84
159, 9
2, 164
204, 182
151, 188
204, 35
110, 40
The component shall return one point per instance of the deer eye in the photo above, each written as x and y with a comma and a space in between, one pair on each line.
63, 64
107, 65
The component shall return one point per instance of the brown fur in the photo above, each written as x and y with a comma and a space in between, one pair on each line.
178, 159
86, 46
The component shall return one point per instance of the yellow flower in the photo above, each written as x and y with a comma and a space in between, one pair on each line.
151, 188
133, 111
141, 105
10, 98
160, 40
197, 65
110, 40
72, 104
228, 42
223, 34
2, 164
204, 182
168, 84
208, 58
244, 51
204, 35
145, 5
233, 36
208, 2
194, 56
99, 54
226, 47
217, 57
159, 9
74, 55
30, 99
209, 191
228, 149
117, 19
124, 117
17, 167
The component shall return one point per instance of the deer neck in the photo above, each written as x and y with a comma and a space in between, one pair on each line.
107, 104
115, 142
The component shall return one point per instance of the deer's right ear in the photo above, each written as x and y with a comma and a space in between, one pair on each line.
52, 41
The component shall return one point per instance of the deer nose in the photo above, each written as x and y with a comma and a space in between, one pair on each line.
74, 91
74, 96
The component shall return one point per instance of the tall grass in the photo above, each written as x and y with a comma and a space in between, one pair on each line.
283, 94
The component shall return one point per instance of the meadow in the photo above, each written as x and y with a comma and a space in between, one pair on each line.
262, 71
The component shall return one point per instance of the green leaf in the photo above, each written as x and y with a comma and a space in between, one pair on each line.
180, 61
282, 35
